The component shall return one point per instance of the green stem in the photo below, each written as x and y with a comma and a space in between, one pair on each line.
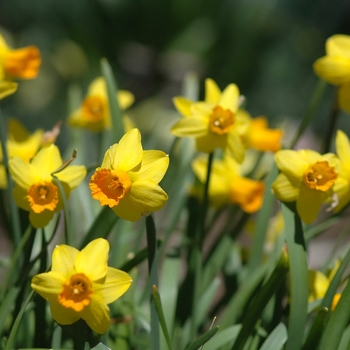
153, 275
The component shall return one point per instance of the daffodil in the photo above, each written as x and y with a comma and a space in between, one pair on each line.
342, 186
334, 67
36, 190
21, 63
227, 185
7, 88
215, 122
94, 113
262, 138
81, 284
306, 178
20, 143
128, 178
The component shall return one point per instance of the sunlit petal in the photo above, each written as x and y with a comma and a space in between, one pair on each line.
191, 127
212, 91
229, 98
63, 258
48, 284
183, 105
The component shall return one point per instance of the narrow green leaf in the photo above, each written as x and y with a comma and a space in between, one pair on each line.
276, 339
7, 304
223, 337
202, 339
298, 278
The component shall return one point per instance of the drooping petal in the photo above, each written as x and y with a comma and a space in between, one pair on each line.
284, 189
341, 189
125, 99
235, 146
344, 97
116, 284
153, 167
128, 209
96, 314
212, 91
63, 315
92, 260
48, 284
7, 88
183, 105
47, 160
127, 154
42, 219
291, 163
63, 258
309, 203
20, 196
333, 69
229, 98
210, 142
23, 173
338, 45
195, 126
72, 175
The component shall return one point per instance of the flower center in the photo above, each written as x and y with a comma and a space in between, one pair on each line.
94, 109
76, 292
320, 176
23, 63
109, 186
42, 196
221, 120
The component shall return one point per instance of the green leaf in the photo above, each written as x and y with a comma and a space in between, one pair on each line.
298, 278
7, 304
202, 339
223, 337
276, 339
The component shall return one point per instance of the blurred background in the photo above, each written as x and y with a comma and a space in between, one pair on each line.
266, 47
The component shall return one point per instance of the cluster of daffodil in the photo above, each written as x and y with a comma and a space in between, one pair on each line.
80, 284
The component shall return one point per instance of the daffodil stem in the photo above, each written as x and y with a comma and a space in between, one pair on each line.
332, 124
153, 276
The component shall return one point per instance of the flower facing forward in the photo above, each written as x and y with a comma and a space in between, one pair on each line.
94, 113
128, 178
80, 285
307, 178
216, 122
36, 190
227, 185
21, 63
334, 67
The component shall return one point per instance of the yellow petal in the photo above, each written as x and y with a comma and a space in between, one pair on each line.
210, 142
194, 126
344, 97
153, 167
309, 203
3, 177
127, 154
72, 175
23, 174
338, 45
3, 45
212, 91
63, 258
20, 196
48, 284
318, 285
128, 209
116, 284
125, 99
284, 190
92, 260
97, 87
342, 146
7, 88
291, 163
333, 69
229, 98
63, 315
342, 190
47, 160
183, 105
42, 219
96, 314
235, 146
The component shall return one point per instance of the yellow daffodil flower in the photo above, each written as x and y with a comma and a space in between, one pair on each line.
94, 113
81, 284
20, 143
260, 137
18, 63
128, 178
7, 88
342, 186
334, 67
307, 178
35, 189
215, 122
228, 186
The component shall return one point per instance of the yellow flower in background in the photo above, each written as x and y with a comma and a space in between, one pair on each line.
306, 178
334, 67
227, 185
215, 122
7, 88
36, 190
21, 63
20, 143
260, 137
81, 284
94, 113
128, 178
